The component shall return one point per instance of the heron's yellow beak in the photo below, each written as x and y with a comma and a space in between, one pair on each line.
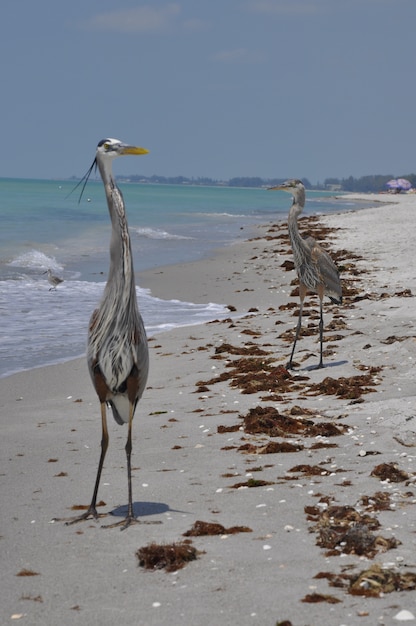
277, 188
134, 150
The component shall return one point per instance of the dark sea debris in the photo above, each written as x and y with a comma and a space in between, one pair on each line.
200, 529
336, 324
344, 530
249, 331
342, 516
311, 470
390, 472
252, 482
373, 582
268, 420
344, 388
252, 350
170, 557
393, 339
253, 375
228, 429
379, 501
273, 447
30, 597
335, 580
320, 597
323, 444
376, 581
287, 265
370, 369
27, 572
84, 507
405, 293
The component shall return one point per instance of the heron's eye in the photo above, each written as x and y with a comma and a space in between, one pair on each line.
106, 146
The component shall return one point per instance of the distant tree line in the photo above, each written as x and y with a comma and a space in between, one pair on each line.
241, 181
364, 184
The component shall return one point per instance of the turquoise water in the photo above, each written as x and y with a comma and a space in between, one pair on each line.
44, 227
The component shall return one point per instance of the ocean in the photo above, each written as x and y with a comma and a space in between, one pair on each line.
44, 227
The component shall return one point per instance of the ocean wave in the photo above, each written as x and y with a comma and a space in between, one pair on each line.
36, 260
219, 215
156, 233
40, 326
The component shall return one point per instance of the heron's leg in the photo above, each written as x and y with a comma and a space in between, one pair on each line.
302, 294
321, 333
129, 519
92, 511
130, 515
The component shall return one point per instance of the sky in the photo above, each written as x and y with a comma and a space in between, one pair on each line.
216, 88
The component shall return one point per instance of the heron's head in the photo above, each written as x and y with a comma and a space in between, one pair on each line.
111, 148
293, 185
296, 188
107, 150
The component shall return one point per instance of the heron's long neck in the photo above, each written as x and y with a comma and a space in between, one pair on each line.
298, 245
121, 261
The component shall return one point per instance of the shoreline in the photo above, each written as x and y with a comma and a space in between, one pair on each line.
50, 335
188, 456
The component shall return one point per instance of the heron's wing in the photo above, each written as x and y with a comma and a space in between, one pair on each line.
327, 271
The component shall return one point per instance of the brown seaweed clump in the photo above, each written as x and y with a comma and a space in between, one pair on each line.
252, 482
253, 375
268, 421
342, 529
170, 557
345, 388
320, 597
273, 447
376, 581
373, 582
380, 501
390, 472
200, 529
27, 572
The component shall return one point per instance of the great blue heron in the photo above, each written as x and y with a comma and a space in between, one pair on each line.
315, 269
53, 280
117, 354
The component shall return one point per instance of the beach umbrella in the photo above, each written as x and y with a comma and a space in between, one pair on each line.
404, 184
393, 184
399, 183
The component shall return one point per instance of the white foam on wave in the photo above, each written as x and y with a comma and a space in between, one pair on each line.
156, 233
41, 327
219, 215
36, 260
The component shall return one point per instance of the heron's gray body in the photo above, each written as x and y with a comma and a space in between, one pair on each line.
117, 344
313, 265
315, 269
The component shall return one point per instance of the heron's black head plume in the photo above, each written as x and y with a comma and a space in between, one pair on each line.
84, 180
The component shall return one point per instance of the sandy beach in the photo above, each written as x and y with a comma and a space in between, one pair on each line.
317, 465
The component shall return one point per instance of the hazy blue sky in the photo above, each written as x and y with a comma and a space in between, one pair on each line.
218, 88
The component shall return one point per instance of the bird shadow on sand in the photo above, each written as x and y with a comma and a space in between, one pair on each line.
144, 509
311, 368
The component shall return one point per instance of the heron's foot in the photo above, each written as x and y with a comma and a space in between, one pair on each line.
123, 524
89, 514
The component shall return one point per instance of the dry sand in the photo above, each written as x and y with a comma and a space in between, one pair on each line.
185, 470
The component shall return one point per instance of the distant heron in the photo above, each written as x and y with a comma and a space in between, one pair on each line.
53, 280
117, 353
315, 269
